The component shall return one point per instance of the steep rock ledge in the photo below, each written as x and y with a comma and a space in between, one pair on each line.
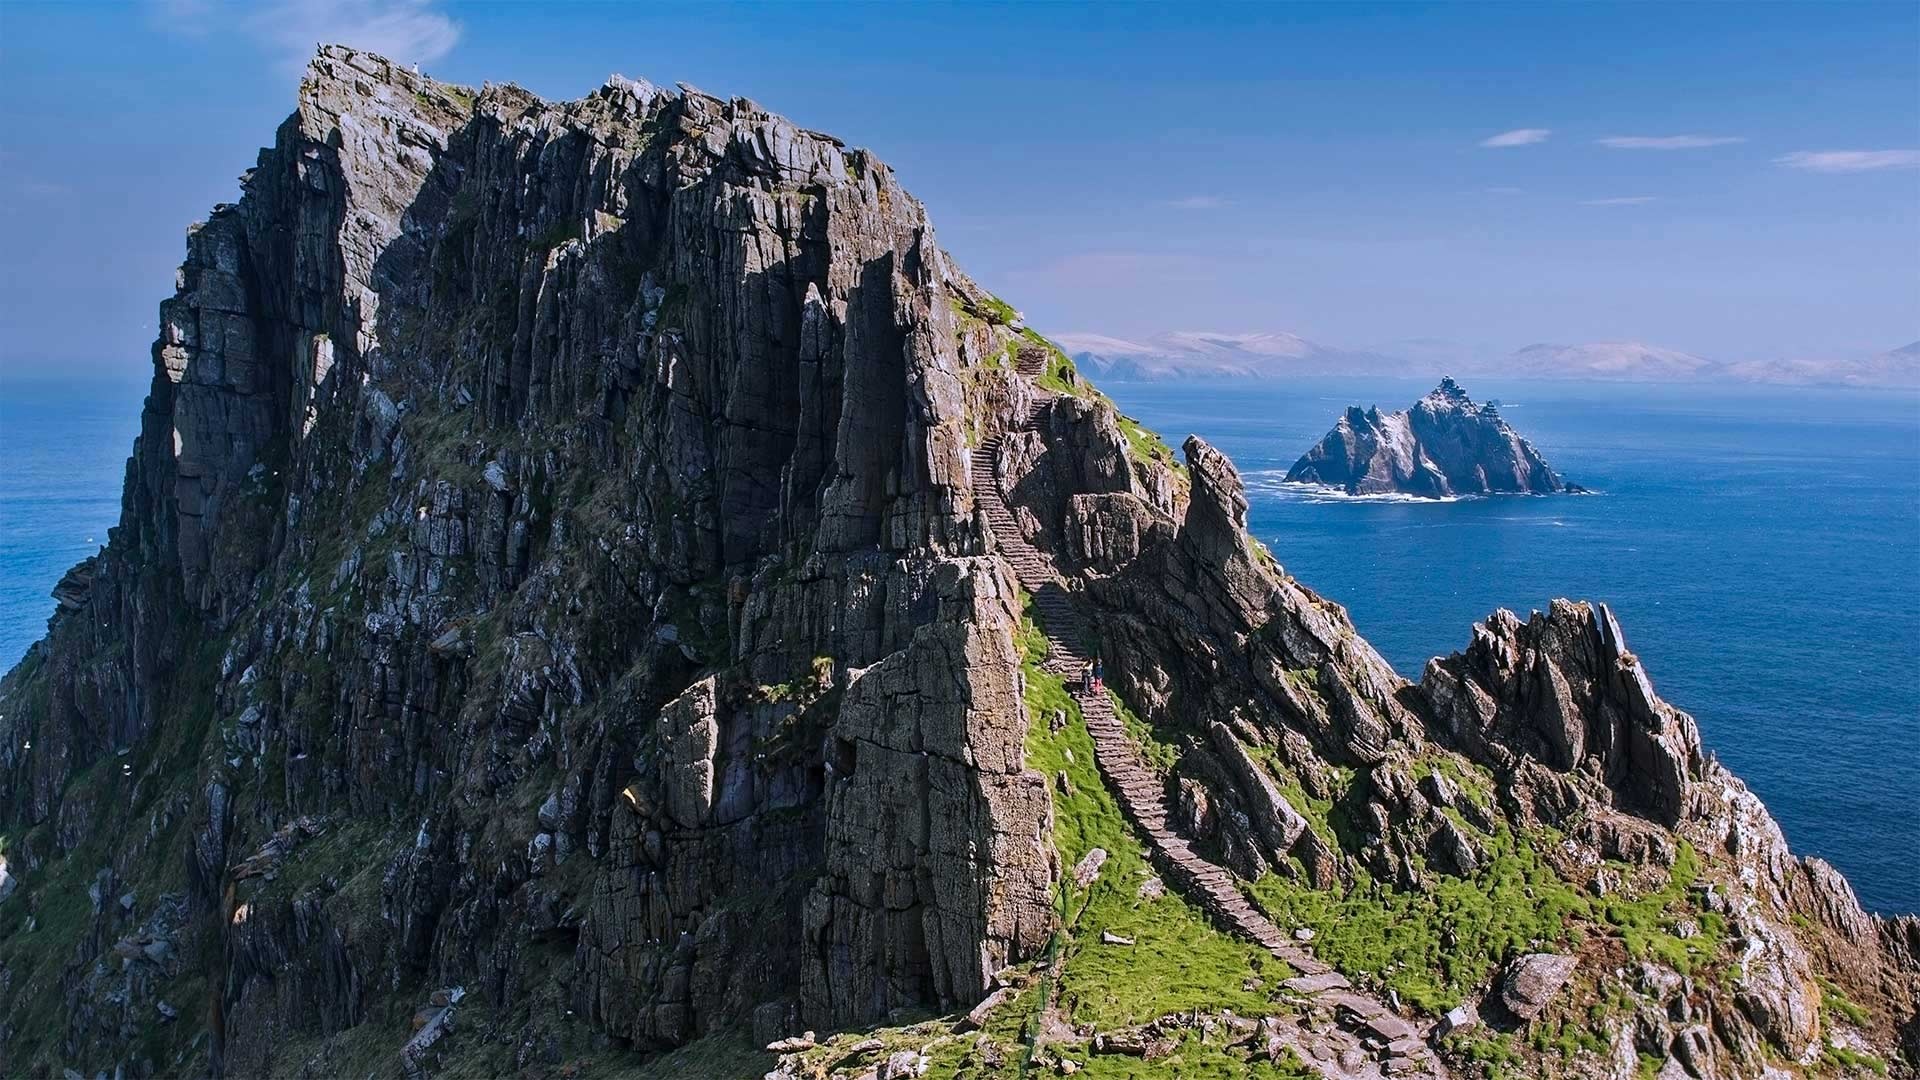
1298, 753
504, 460
550, 589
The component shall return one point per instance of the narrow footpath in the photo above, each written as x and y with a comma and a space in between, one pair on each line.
1366, 1039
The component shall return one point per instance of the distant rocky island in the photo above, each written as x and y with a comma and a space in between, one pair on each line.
1445, 445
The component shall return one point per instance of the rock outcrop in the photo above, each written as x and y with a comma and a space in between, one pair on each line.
555, 616
1444, 445
580, 488
1559, 701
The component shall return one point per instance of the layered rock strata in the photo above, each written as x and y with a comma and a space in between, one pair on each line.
554, 597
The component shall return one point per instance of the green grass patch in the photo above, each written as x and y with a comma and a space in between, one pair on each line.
1845, 1061
1497, 1053
1178, 961
997, 311
1568, 1038
988, 308
1059, 374
1437, 946
1434, 947
1837, 1003
1145, 444
1647, 925
1161, 755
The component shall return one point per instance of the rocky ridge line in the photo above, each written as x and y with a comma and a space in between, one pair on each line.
571, 505
1444, 445
1335, 1050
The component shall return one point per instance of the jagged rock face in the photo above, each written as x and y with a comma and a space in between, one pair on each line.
1567, 717
499, 455
1257, 679
1200, 629
549, 578
1562, 691
1444, 445
939, 856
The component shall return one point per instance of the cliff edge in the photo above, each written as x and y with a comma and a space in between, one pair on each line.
599, 592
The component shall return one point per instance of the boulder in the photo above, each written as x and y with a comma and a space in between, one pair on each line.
1532, 981
1456, 1018
904, 1065
1087, 870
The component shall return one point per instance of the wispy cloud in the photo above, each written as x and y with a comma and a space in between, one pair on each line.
1668, 142
1849, 161
1518, 137
405, 31
1620, 200
1504, 190
1198, 202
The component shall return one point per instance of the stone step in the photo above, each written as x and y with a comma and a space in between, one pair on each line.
1142, 792
1317, 984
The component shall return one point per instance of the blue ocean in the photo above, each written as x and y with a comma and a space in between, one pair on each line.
63, 456
1761, 547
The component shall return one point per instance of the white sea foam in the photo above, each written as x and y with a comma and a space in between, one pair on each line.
1273, 482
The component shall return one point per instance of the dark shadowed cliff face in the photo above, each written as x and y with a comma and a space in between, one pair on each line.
570, 500
1444, 445
553, 589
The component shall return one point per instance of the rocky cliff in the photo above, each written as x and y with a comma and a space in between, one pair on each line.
598, 591
1444, 445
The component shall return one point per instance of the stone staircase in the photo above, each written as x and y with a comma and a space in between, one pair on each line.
1365, 1038
1031, 361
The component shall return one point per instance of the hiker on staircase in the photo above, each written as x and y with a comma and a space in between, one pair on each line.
1098, 682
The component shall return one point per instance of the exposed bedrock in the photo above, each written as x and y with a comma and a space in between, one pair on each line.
1444, 445
550, 585
546, 498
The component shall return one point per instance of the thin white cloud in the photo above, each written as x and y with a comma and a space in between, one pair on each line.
1518, 137
405, 31
1620, 200
1849, 161
1504, 190
1198, 202
1668, 142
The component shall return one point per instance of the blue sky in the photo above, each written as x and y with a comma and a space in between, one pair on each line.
1122, 170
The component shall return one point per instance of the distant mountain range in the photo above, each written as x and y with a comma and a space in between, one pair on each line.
1211, 355
1199, 354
